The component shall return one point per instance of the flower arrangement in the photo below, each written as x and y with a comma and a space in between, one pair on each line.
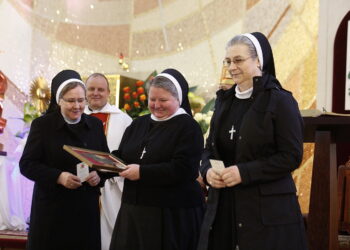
40, 97
135, 99
203, 120
30, 112
197, 102
202, 111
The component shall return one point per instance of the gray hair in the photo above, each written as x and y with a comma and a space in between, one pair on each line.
241, 39
166, 84
69, 86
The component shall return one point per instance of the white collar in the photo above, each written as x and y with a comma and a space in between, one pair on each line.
243, 94
108, 108
180, 111
69, 121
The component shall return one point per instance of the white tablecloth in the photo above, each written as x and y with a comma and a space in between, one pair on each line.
11, 209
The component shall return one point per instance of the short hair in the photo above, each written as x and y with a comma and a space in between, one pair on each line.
166, 84
69, 86
93, 75
241, 39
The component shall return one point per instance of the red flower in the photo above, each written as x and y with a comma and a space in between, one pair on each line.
139, 83
136, 104
127, 96
126, 89
140, 90
143, 97
134, 95
127, 107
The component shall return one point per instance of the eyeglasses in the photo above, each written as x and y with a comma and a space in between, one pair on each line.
237, 61
73, 101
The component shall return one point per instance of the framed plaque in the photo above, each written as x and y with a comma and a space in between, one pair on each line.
96, 159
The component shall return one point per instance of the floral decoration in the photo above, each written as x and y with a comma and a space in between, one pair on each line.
203, 120
30, 112
40, 98
135, 99
197, 102
202, 111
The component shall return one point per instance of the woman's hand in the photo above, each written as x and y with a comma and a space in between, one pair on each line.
132, 172
231, 176
214, 179
69, 180
93, 179
201, 181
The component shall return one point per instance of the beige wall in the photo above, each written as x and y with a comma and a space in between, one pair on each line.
48, 36
331, 14
187, 35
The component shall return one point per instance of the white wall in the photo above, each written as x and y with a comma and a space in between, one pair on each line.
15, 46
331, 14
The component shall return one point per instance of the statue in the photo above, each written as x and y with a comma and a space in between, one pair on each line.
3, 87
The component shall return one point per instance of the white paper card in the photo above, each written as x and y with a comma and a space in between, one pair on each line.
217, 165
82, 171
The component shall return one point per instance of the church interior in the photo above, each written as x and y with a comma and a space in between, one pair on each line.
130, 40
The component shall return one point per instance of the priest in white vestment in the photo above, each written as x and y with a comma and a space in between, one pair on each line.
115, 122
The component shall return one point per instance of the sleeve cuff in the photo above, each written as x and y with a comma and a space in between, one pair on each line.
243, 171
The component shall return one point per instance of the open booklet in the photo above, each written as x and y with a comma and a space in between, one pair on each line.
96, 159
317, 113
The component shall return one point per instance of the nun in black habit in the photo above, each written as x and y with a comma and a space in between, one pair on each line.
162, 203
257, 132
65, 210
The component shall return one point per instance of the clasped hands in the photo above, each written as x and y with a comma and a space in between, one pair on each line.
227, 177
72, 181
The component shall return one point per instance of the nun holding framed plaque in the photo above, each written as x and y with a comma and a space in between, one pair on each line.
96, 159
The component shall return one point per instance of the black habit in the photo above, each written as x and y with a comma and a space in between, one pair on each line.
61, 218
163, 209
261, 213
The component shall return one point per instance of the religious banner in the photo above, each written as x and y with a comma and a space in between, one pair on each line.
347, 72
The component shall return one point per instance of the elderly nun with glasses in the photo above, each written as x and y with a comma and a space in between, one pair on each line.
256, 133
65, 208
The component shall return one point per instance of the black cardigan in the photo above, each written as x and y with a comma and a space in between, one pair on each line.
169, 168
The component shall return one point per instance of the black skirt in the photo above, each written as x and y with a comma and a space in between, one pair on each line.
223, 233
145, 228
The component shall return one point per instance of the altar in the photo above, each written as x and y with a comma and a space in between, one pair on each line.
16, 190
10, 209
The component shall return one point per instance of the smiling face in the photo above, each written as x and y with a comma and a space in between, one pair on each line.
243, 67
72, 103
162, 103
97, 92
